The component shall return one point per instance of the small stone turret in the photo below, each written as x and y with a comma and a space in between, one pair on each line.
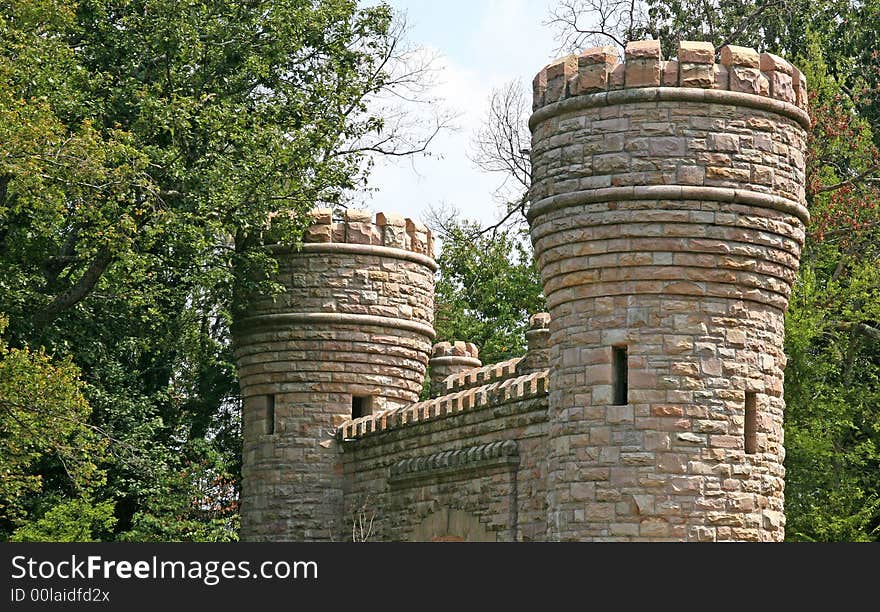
667, 218
450, 358
537, 357
350, 335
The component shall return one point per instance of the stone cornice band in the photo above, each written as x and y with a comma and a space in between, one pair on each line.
456, 360
676, 94
360, 249
503, 452
669, 192
335, 318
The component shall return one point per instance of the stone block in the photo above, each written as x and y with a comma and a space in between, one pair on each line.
642, 73
733, 55
696, 52
539, 89
394, 236
385, 219
697, 75
670, 73
558, 74
774, 63
644, 504
781, 86
617, 78
667, 146
358, 233
723, 142
590, 79
654, 528
624, 529
418, 236
611, 163
619, 414
605, 55
322, 216
354, 215
749, 80
318, 233
799, 83
690, 175
722, 77
643, 49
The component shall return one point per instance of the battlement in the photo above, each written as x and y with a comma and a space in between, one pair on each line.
637, 167
476, 377
742, 70
486, 396
361, 228
455, 349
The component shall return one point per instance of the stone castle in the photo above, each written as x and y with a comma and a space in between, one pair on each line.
667, 220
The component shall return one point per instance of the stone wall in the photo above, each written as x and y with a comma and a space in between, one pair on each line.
667, 218
355, 321
470, 465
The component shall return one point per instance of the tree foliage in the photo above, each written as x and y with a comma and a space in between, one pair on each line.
487, 288
52, 458
145, 148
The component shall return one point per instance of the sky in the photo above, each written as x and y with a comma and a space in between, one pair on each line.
480, 45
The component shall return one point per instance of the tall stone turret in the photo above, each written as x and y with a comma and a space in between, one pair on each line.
350, 335
668, 218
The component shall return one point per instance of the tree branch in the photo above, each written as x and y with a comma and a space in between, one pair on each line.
856, 179
78, 291
868, 331
747, 20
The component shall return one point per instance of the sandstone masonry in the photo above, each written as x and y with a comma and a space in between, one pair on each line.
667, 218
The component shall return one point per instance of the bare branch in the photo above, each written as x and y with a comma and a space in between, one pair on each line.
513, 208
583, 23
501, 145
868, 331
747, 21
398, 92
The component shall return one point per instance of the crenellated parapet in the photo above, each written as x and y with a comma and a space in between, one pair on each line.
360, 227
450, 359
457, 349
742, 70
537, 356
487, 396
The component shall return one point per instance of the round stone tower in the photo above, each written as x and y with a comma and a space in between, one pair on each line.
351, 334
667, 218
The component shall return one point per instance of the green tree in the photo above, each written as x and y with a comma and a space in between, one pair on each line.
487, 288
145, 148
832, 340
51, 469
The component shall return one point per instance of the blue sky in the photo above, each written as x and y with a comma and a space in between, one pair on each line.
481, 45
